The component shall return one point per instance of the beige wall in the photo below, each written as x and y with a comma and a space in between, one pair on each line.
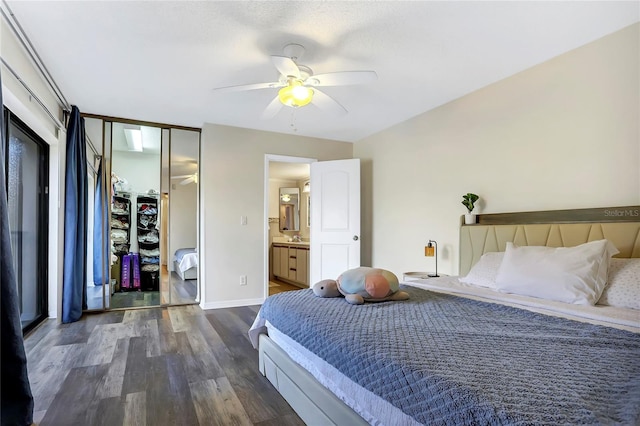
233, 185
183, 202
563, 134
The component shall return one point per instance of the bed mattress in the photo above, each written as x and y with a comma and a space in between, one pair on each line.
375, 408
624, 319
372, 408
186, 259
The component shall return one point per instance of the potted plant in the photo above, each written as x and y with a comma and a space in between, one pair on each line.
468, 200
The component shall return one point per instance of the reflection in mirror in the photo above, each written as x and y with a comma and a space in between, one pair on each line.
182, 256
98, 251
289, 209
135, 208
110, 258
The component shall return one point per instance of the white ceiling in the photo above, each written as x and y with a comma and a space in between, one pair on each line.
159, 61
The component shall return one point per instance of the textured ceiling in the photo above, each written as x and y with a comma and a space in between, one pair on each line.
159, 61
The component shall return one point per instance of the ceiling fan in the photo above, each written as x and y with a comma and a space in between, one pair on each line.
192, 178
298, 86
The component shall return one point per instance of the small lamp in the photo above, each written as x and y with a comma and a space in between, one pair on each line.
431, 250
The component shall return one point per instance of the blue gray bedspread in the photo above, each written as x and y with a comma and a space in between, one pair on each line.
180, 253
444, 359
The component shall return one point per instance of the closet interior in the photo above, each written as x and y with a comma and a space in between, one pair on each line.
145, 201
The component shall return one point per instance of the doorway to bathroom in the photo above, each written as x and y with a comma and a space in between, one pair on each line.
330, 212
288, 223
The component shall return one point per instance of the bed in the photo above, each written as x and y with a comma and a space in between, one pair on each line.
460, 353
185, 263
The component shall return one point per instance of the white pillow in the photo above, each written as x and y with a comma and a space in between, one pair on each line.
567, 274
623, 285
484, 272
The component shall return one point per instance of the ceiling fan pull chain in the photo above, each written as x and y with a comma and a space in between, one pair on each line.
293, 121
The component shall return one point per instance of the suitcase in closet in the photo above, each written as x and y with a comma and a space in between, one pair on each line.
135, 266
126, 281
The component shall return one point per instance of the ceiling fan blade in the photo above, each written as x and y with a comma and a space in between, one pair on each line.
272, 109
343, 78
286, 66
188, 180
244, 87
327, 103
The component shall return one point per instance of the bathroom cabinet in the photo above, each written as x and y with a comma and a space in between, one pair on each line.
290, 263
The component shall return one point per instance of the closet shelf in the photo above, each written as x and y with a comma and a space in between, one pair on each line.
148, 241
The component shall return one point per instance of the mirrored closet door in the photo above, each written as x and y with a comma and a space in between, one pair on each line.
97, 286
182, 248
149, 193
135, 211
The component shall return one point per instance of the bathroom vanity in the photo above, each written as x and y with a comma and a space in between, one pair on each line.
291, 262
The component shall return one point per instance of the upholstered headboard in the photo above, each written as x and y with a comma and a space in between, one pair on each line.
620, 225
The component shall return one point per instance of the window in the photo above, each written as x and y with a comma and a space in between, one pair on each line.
27, 159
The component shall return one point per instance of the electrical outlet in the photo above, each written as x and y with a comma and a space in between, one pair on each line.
243, 280
243, 220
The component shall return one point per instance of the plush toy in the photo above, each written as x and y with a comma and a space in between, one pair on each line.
361, 285
326, 288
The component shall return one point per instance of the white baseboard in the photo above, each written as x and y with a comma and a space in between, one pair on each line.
231, 303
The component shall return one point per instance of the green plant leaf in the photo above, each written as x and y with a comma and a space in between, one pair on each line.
469, 199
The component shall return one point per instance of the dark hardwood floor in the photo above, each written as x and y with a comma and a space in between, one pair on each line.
158, 366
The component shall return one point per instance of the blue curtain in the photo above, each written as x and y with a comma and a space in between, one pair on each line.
16, 401
100, 231
74, 285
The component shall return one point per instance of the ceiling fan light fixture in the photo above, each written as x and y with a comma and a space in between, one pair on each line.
134, 139
295, 94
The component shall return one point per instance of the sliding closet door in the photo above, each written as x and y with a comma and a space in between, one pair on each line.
27, 192
143, 206
134, 215
98, 251
183, 231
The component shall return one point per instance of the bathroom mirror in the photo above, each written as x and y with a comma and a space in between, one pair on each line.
289, 209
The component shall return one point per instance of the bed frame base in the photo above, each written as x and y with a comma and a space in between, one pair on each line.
189, 274
314, 403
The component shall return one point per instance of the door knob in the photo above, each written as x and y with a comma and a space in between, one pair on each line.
355, 238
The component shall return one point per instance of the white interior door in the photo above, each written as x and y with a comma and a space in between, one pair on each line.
335, 218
